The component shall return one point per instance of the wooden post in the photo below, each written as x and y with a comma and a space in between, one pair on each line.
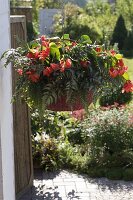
22, 129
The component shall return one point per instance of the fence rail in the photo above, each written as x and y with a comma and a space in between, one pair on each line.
20, 2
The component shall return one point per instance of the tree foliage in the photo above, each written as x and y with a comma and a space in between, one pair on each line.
120, 33
92, 20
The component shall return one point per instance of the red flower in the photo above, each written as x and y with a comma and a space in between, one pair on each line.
98, 49
74, 44
32, 75
43, 38
62, 65
121, 63
128, 87
20, 72
47, 71
55, 66
68, 63
44, 54
36, 54
30, 55
122, 70
65, 64
84, 63
45, 44
113, 72
112, 51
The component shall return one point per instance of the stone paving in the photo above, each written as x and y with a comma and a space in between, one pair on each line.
64, 185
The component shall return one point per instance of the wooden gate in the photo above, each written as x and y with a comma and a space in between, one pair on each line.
21, 122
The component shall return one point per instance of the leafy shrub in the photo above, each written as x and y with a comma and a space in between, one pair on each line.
114, 174
50, 123
115, 97
110, 136
128, 174
45, 153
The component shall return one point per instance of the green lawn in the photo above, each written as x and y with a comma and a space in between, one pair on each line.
129, 63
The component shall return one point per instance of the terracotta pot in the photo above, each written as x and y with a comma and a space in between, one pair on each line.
62, 105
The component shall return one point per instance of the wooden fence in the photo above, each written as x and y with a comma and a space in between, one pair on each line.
22, 10
21, 122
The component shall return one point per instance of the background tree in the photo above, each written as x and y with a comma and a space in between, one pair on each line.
120, 33
76, 23
125, 7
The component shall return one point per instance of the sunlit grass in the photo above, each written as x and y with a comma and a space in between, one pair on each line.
129, 63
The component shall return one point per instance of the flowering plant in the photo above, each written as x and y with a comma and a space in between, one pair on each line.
51, 70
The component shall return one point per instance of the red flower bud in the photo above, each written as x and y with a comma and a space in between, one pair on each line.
33, 76
84, 63
113, 72
47, 71
55, 66
68, 63
121, 63
112, 51
30, 55
43, 38
122, 70
128, 87
98, 49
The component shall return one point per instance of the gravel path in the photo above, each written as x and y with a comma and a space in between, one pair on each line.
65, 185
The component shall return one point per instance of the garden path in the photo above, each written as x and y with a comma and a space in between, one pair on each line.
64, 185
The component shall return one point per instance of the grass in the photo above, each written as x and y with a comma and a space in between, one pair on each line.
129, 63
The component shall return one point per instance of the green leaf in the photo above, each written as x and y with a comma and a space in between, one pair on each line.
126, 76
118, 56
54, 50
85, 39
65, 36
66, 39
34, 44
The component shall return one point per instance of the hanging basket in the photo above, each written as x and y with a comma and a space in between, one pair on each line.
63, 105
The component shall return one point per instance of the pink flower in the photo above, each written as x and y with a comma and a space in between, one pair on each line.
20, 72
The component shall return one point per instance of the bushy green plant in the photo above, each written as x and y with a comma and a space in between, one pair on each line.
128, 174
114, 174
45, 153
110, 135
115, 97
